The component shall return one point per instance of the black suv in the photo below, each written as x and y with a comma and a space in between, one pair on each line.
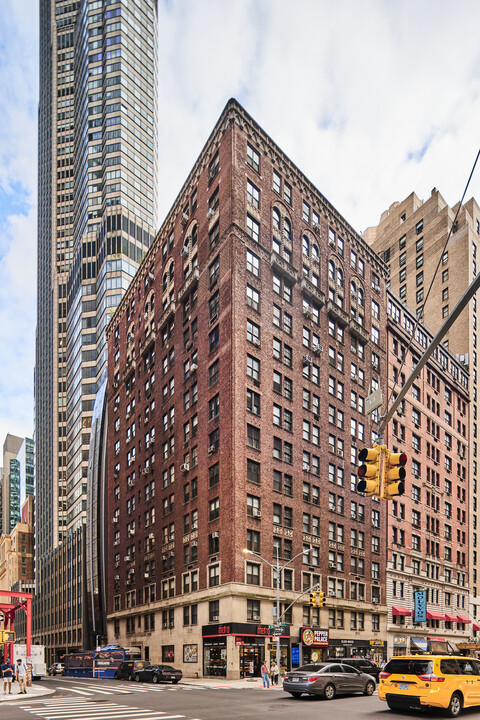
362, 664
126, 670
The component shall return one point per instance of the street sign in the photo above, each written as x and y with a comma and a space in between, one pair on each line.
373, 401
277, 631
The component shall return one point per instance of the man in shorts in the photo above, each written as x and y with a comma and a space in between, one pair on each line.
21, 675
7, 673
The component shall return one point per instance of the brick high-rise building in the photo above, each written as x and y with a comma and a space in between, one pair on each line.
96, 219
411, 238
428, 538
239, 361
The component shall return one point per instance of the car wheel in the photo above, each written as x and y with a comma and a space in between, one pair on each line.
131, 677
329, 692
137, 678
155, 679
455, 706
369, 688
115, 677
295, 695
174, 682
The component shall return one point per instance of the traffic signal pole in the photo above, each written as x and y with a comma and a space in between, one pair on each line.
466, 297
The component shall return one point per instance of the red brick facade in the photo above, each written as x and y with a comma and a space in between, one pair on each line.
254, 270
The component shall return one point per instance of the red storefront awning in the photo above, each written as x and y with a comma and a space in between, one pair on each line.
397, 610
463, 619
476, 627
450, 618
435, 616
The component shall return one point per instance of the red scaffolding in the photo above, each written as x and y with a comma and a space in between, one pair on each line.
18, 601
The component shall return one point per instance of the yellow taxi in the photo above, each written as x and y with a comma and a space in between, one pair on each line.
422, 681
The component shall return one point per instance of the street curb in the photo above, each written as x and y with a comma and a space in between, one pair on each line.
32, 694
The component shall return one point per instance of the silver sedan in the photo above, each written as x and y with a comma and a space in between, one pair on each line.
328, 680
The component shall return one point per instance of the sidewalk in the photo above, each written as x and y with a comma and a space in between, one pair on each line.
35, 691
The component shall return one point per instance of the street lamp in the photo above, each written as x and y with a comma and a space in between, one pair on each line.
277, 569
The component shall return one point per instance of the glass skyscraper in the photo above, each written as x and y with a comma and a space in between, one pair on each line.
96, 219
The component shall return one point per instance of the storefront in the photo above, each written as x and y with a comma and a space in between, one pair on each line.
400, 644
236, 650
348, 648
314, 644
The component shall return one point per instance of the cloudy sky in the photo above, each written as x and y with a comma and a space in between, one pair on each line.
372, 99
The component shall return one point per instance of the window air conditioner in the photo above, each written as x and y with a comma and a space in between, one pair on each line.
307, 359
127, 558
212, 449
193, 367
210, 213
256, 513
184, 219
185, 251
151, 276
151, 536
115, 519
215, 534
256, 617
331, 566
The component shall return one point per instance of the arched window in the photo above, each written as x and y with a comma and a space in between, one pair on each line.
331, 270
360, 296
276, 219
165, 281
339, 277
306, 246
287, 229
172, 268
315, 253
353, 290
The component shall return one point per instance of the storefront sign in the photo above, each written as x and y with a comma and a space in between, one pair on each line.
314, 637
377, 643
400, 640
246, 629
420, 606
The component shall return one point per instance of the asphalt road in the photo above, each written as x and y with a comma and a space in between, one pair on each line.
121, 700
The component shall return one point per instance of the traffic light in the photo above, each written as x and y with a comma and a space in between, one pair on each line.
394, 475
321, 599
313, 599
371, 470
7, 636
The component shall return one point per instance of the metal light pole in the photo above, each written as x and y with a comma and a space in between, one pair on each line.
277, 569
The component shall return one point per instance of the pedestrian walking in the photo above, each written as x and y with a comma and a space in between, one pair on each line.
265, 673
21, 676
7, 674
274, 673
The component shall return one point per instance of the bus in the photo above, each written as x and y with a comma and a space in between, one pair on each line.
100, 663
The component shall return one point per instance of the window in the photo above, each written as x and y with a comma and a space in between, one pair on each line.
253, 402
253, 332
253, 228
253, 471
253, 298
253, 437
252, 573
253, 195
253, 369
253, 158
253, 263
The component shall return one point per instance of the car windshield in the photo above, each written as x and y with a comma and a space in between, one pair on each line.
406, 666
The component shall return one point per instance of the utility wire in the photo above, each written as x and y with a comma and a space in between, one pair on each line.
420, 317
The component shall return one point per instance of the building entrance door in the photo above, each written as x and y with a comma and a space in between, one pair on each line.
251, 660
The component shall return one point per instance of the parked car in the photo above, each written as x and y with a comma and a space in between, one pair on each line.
414, 682
327, 679
362, 664
158, 673
126, 670
56, 669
